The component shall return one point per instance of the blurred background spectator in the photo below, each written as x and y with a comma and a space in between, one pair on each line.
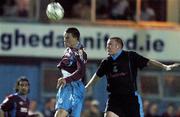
153, 110
91, 108
119, 10
147, 12
33, 110
178, 112
146, 104
82, 10
19, 8
49, 107
169, 111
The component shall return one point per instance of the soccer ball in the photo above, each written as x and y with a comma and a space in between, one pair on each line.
54, 11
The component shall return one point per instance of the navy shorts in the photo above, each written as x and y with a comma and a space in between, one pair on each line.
125, 105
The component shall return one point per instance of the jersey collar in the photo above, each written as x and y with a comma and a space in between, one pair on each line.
114, 57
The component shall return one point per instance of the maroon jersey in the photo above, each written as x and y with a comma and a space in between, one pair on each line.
15, 105
73, 62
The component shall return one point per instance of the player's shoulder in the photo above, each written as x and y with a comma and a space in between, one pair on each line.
107, 58
131, 53
10, 97
13, 95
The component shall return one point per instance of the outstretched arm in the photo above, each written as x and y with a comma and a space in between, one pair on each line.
158, 64
93, 80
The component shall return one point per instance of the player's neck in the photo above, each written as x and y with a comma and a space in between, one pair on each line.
76, 45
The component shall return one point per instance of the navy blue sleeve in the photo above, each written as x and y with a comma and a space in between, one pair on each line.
139, 60
102, 69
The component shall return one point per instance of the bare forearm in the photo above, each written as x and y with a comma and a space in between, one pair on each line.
157, 64
93, 80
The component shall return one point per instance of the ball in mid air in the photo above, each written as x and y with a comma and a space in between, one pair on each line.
54, 11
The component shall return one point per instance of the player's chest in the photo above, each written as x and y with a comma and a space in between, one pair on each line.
118, 66
22, 105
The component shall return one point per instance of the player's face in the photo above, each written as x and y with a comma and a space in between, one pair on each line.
23, 87
69, 40
112, 47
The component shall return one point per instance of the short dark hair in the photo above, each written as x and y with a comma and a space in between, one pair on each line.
119, 40
74, 31
21, 79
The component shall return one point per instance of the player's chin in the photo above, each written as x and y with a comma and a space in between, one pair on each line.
24, 93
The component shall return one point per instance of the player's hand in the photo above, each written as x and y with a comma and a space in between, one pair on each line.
61, 82
170, 67
88, 88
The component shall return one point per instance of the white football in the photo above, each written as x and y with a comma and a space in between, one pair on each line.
54, 11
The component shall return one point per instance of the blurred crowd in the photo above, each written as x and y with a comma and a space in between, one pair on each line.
91, 109
125, 10
81, 9
19, 8
47, 111
152, 109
